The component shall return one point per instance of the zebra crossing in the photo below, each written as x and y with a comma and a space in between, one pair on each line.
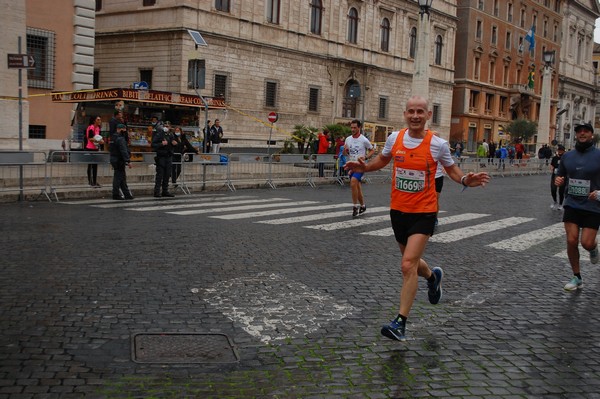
326, 217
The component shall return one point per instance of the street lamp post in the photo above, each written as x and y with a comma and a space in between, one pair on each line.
543, 134
420, 83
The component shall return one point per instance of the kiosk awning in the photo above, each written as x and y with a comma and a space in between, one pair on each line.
137, 95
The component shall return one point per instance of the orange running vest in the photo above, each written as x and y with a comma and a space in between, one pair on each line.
413, 183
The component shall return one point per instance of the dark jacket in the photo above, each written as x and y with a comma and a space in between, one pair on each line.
183, 146
119, 152
157, 145
216, 134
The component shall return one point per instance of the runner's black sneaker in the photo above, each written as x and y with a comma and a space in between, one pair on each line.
354, 211
435, 289
394, 330
362, 209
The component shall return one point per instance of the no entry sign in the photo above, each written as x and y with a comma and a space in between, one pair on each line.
273, 117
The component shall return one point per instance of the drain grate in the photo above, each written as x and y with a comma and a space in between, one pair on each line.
182, 348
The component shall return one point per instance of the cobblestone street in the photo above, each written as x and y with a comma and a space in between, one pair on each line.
265, 293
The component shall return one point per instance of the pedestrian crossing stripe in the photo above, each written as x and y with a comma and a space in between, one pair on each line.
251, 207
244, 208
346, 224
319, 216
472, 231
525, 241
111, 203
280, 211
206, 204
463, 217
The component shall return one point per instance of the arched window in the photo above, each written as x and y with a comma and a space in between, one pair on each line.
351, 99
385, 35
439, 44
412, 46
353, 25
316, 15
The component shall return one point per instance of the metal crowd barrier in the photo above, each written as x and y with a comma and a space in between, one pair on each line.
292, 168
204, 169
248, 168
68, 171
22, 171
505, 167
326, 167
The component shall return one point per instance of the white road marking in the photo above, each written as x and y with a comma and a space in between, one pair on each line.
388, 231
228, 202
248, 215
100, 201
346, 224
472, 231
320, 216
525, 241
241, 208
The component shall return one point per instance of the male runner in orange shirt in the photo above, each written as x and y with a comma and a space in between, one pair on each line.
416, 153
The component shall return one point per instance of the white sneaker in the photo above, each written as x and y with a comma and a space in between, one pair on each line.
560, 208
553, 206
574, 284
594, 257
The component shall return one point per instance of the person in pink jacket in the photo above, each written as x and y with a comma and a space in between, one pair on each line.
92, 143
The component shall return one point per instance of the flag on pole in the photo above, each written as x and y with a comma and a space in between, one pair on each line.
530, 38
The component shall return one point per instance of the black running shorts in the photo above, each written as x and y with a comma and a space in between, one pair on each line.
583, 219
439, 183
407, 224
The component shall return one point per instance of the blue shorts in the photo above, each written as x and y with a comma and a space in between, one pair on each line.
356, 175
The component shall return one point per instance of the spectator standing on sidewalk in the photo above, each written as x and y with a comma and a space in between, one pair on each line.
216, 134
554, 163
182, 147
519, 149
579, 170
206, 136
491, 152
119, 160
502, 155
357, 147
458, 149
162, 144
324, 144
481, 155
416, 153
92, 142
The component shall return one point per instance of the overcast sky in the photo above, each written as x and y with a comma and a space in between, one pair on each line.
597, 31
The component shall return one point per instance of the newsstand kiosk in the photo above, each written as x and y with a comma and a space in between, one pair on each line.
138, 106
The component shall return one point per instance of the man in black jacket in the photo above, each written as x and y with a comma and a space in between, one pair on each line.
162, 143
216, 134
119, 159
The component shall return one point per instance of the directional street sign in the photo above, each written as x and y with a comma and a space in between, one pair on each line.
20, 61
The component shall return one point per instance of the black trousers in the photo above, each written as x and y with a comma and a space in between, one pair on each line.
92, 174
120, 181
176, 168
163, 172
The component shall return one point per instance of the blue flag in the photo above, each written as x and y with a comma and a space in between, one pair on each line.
530, 38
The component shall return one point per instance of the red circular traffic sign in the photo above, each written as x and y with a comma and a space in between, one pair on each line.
273, 117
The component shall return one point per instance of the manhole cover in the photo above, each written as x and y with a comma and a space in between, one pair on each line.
182, 348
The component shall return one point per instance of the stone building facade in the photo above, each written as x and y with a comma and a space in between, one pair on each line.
498, 73
577, 88
313, 62
60, 37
